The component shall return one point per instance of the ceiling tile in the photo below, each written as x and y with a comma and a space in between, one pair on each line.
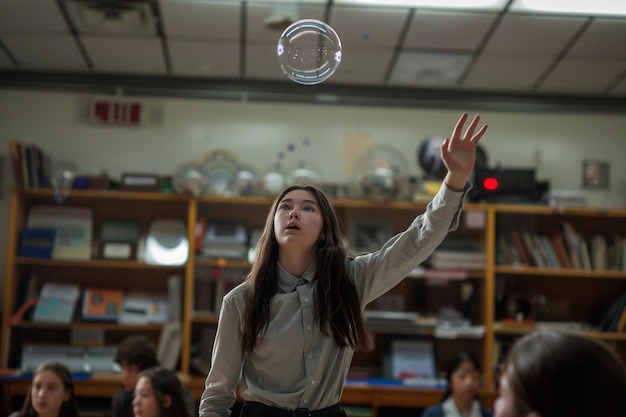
256, 14
604, 37
358, 27
620, 88
5, 62
194, 19
583, 75
204, 59
533, 34
506, 72
429, 68
45, 52
448, 31
367, 66
125, 55
262, 62
31, 16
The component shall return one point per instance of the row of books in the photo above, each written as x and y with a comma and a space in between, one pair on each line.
30, 165
58, 302
564, 247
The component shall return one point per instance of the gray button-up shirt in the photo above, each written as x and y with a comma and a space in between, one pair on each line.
295, 365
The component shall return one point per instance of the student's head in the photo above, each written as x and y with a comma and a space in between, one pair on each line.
464, 377
554, 374
135, 354
305, 204
51, 393
159, 393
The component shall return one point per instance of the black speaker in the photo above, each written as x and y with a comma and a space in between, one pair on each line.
506, 185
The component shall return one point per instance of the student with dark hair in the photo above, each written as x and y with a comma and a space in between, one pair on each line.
287, 334
461, 396
51, 393
134, 355
556, 374
159, 393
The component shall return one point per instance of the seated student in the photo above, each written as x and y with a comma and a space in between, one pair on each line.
556, 374
461, 397
159, 393
134, 355
51, 393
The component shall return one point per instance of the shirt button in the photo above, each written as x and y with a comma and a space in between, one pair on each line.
308, 327
312, 382
310, 356
306, 299
306, 400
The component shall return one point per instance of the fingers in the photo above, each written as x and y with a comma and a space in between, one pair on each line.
469, 132
456, 133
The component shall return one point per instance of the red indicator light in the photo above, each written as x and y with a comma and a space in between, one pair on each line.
490, 183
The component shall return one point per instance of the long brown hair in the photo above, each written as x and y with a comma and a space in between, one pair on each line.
69, 408
337, 306
563, 374
165, 382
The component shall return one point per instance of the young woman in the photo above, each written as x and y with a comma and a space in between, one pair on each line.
288, 333
460, 399
159, 393
51, 393
554, 374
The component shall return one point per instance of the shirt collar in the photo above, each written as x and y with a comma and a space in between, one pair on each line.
288, 282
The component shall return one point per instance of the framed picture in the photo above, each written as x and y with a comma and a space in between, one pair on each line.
410, 359
369, 236
595, 174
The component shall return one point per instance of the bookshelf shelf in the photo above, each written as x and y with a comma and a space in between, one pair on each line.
89, 325
94, 263
559, 272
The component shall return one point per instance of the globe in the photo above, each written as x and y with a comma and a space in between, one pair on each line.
380, 174
189, 178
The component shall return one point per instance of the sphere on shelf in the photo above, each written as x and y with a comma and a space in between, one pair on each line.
189, 178
380, 174
305, 171
246, 181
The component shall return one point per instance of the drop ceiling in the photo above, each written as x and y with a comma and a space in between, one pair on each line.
191, 45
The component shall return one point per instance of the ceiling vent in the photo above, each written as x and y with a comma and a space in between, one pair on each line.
282, 16
112, 17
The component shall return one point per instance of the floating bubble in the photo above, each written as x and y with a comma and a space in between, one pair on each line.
309, 51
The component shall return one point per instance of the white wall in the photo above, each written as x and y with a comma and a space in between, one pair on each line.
555, 144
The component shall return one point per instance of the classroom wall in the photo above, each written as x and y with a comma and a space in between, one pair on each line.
184, 129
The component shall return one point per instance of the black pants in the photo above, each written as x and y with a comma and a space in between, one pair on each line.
254, 409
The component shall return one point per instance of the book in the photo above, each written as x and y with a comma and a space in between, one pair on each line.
56, 303
37, 242
72, 226
102, 304
15, 154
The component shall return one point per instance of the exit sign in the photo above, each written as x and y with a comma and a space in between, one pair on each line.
116, 111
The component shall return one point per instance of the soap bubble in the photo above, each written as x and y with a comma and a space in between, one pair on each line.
309, 51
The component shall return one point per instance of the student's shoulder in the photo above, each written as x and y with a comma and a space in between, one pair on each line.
434, 411
239, 292
14, 414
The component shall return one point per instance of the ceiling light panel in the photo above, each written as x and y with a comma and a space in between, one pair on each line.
429, 69
485, 5
577, 7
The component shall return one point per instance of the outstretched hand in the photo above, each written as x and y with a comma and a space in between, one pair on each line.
459, 152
